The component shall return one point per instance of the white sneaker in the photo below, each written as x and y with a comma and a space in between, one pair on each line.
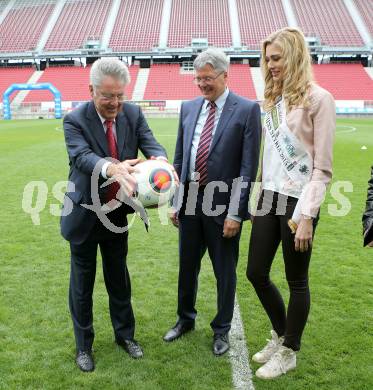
281, 362
272, 346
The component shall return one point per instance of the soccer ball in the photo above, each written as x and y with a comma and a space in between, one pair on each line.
155, 183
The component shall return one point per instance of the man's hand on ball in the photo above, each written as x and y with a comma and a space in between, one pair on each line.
122, 173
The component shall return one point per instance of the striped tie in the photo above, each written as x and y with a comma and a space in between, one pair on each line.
204, 145
112, 145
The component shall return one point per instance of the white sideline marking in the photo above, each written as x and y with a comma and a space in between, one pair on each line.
349, 129
238, 355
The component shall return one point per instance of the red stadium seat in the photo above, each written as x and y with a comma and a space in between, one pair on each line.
78, 21
327, 20
23, 26
337, 78
137, 25
366, 11
72, 82
9, 76
258, 19
167, 82
199, 19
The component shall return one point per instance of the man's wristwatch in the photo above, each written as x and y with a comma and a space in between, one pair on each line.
306, 216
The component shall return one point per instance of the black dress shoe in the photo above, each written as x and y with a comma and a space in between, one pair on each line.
84, 361
132, 347
221, 344
177, 331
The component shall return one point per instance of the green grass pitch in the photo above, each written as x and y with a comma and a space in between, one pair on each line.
36, 337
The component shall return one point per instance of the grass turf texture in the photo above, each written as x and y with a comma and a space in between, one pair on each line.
36, 337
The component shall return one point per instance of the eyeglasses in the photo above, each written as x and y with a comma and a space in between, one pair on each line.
206, 80
106, 97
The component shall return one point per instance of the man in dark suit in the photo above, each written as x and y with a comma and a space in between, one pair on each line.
102, 137
216, 158
368, 215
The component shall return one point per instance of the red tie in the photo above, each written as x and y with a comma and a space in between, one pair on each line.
112, 145
204, 145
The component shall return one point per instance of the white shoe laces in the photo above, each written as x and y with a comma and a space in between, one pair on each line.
278, 360
270, 345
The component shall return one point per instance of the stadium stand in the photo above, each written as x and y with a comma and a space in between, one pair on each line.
72, 82
137, 25
9, 76
79, 20
365, 8
23, 25
167, 82
240, 81
258, 19
327, 20
199, 19
337, 78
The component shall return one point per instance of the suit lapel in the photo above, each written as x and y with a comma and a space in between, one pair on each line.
226, 115
97, 129
191, 126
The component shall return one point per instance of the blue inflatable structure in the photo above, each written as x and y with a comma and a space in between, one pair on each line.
32, 87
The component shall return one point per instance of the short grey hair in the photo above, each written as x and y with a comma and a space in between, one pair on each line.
109, 67
215, 57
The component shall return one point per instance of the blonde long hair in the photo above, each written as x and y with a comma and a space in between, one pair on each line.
297, 72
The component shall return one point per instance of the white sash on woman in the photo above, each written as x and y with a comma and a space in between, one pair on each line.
295, 159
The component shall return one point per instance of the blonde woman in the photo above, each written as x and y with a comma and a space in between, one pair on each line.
299, 128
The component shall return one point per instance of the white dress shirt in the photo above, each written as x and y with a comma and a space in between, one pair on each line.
220, 101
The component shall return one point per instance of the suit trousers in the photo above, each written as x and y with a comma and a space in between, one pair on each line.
113, 248
197, 233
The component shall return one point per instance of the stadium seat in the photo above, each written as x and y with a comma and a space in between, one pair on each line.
168, 82
337, 78
258, 19
199, 19
9, 76
327, 20
366, 11
240, 81
165, 82
79, 21
23, 25
72, 82
137, 25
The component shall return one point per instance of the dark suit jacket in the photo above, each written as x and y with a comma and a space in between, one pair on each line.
234, 150
87, 148
368, 214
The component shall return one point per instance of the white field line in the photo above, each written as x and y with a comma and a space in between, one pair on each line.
238, 354
345, 129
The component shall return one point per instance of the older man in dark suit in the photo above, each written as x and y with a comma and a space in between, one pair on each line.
368, 215
216, 158
102, 138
